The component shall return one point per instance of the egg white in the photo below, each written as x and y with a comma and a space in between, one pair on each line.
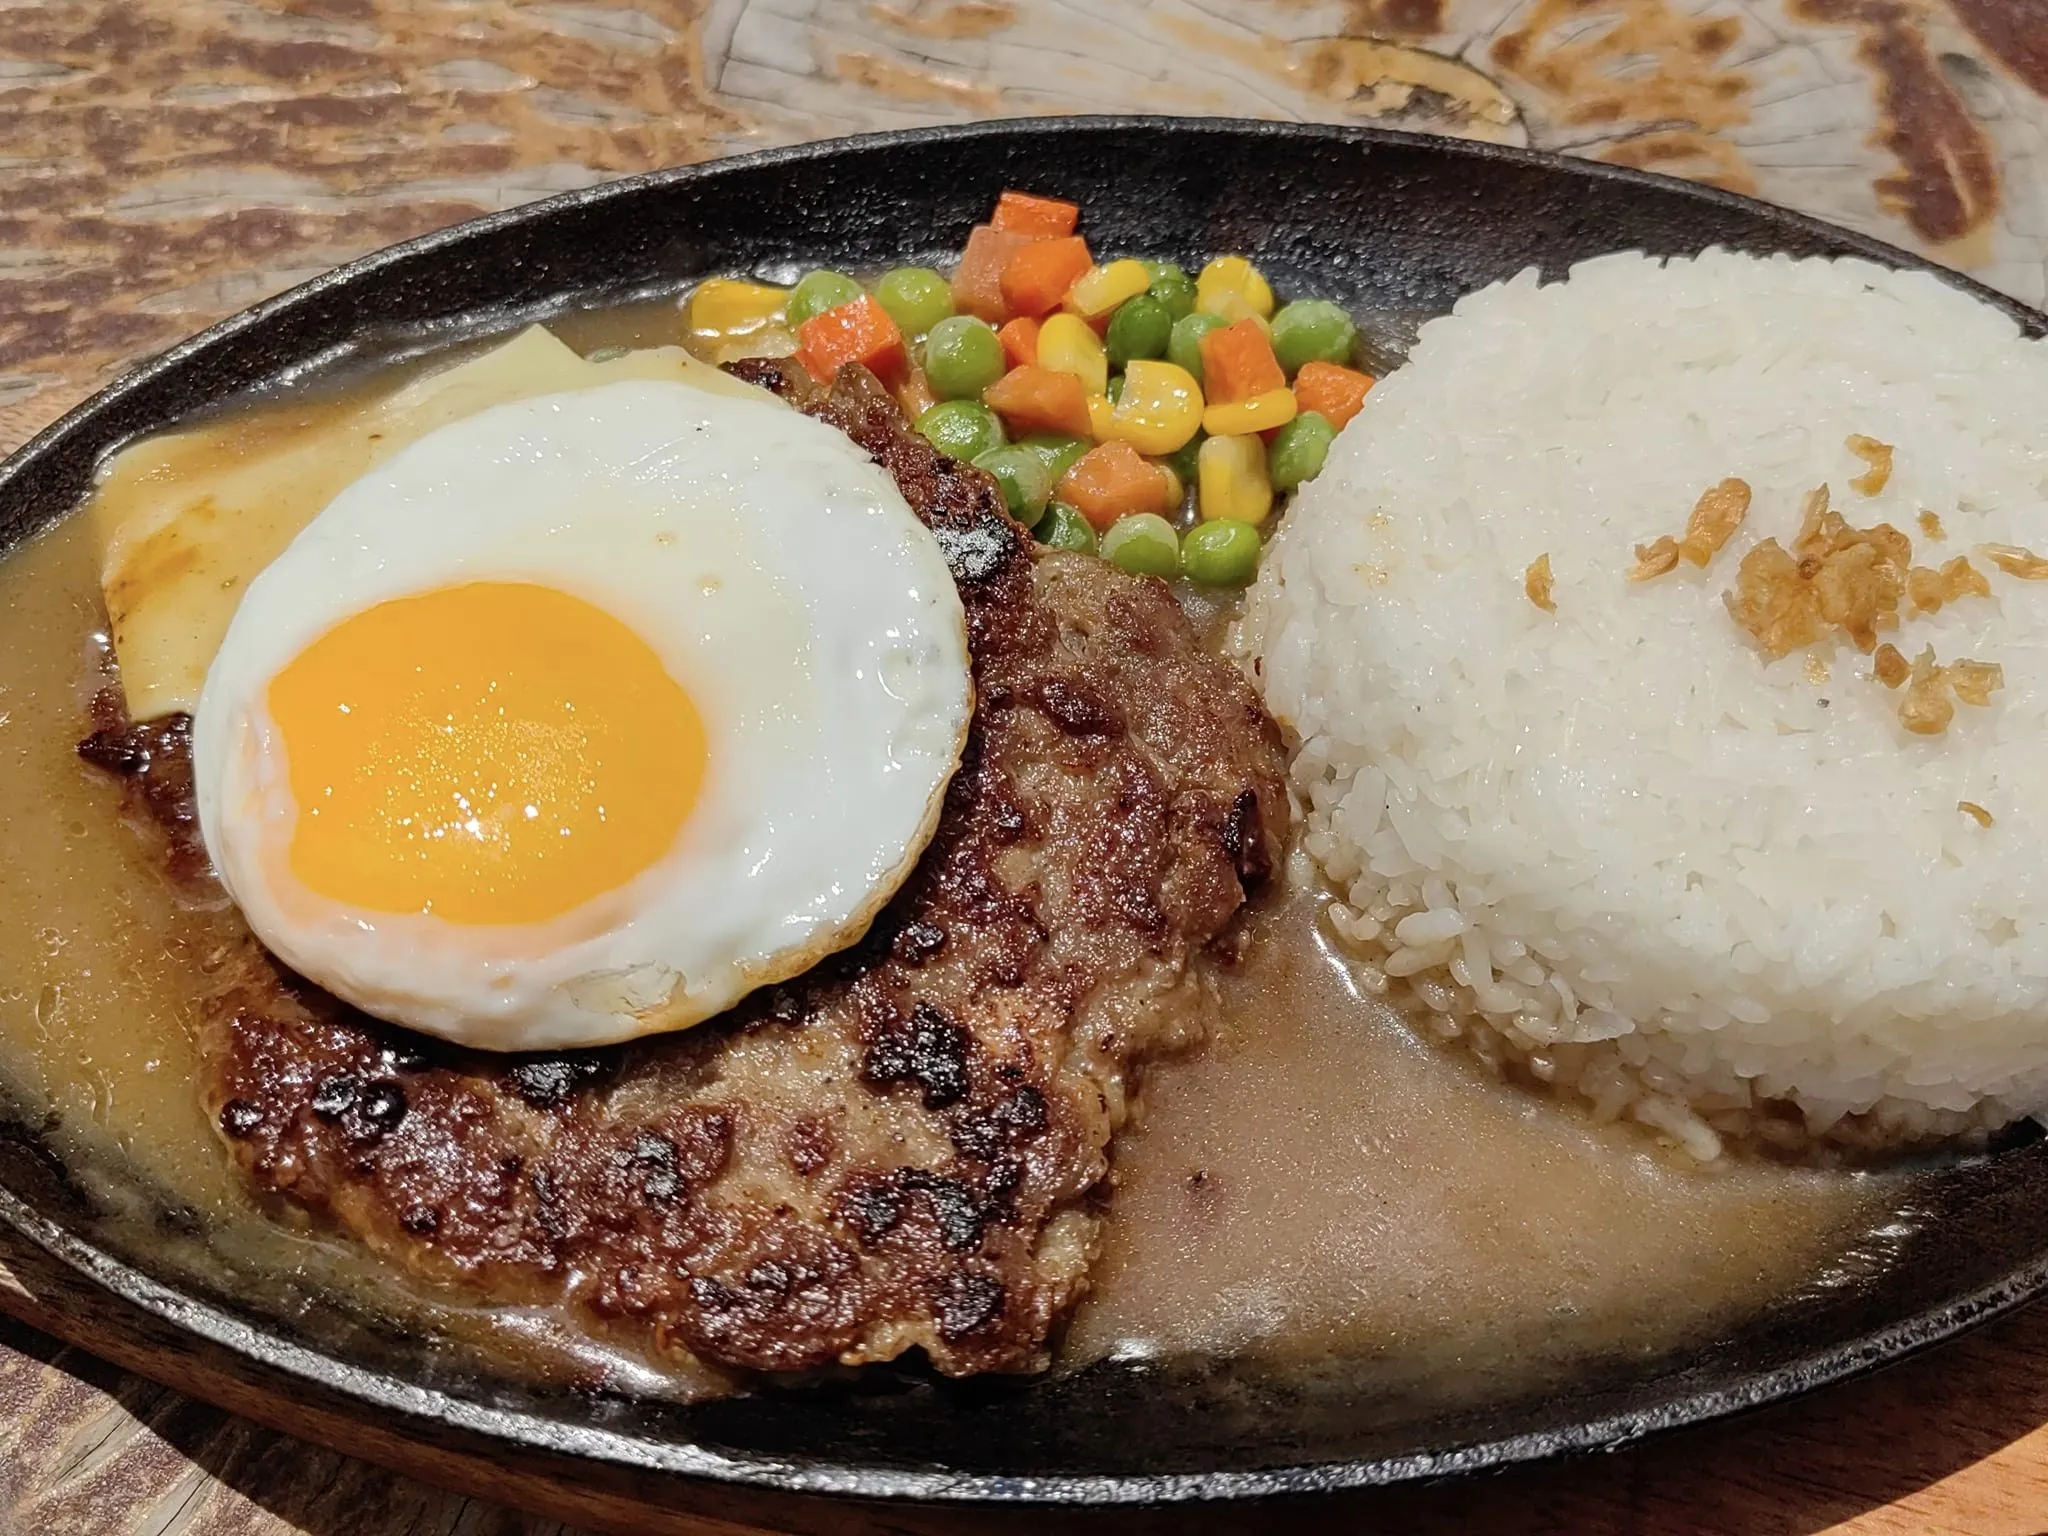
783, 581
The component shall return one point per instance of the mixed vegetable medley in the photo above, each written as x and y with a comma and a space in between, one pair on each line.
1122, 406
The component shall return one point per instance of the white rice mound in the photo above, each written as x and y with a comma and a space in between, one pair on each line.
1613, 845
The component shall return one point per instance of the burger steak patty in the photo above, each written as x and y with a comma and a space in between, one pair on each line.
895, 1151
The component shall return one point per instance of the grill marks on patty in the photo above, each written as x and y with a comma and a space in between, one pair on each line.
896, 1151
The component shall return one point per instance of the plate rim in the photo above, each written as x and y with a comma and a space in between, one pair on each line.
439, 1409
251, 1345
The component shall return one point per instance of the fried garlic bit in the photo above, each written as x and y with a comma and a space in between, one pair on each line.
2014, 561
1975, 681
1961, 579
1859, 574
1715, 517
1536, 581
1878, 456
1773, 603
1929, 589
1892, 668
1975, 812
1925, 709
1655, 558
1930, 525
1834, 577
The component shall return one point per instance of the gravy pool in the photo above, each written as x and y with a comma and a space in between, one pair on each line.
1320, 1183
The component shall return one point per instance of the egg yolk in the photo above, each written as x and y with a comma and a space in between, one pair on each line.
495, 752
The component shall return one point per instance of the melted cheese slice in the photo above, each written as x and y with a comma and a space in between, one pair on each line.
185, 521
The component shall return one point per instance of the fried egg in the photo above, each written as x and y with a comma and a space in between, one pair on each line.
582, 717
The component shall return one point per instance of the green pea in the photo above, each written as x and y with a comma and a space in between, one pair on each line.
1026, 482
1220, 554
1064, 528
1140, 327
962, 357
1163, 271
1143, 544
1182, 460
817, 292
1176, 294
1312, 331
1115, 389
1297, 453
917, 298
1058, 450
961, 429
1184, 346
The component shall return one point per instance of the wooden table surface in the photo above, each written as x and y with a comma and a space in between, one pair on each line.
165, 162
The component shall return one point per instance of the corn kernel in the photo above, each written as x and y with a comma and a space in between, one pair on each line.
1176, 493
1261, 413
1233, 307
1161, 407
1101, 417
1232, 287
1231, 480
726, 306
1099, 290
1067, 345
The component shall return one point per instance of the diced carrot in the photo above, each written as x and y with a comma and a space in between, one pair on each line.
1112, 481
1029, 214
1020, 341
1035, 399
1040, 274
1333, 392
1238, 363
859, 331
978, 284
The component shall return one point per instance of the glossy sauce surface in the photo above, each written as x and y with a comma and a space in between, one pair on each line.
1321, 1183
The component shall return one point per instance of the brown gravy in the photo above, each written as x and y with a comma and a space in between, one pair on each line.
1320, 1182
1316, 1185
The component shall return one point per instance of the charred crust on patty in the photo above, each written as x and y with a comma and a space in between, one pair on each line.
548, 1081
927, 1049
239, 1118
968, 1303
153, 761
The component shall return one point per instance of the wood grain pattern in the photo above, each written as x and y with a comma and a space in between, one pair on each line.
165, 162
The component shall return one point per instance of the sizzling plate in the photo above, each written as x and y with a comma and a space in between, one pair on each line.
1382, 220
